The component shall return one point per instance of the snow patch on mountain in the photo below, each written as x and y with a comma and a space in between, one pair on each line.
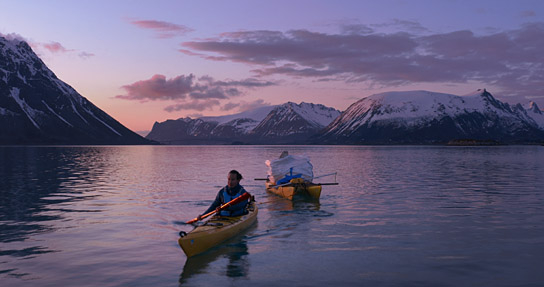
317, 114
241, 125
28, 110
58, 116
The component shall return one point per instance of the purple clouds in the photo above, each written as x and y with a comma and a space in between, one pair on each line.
164, 29
188, 92
512, 60
159, 88
55, 47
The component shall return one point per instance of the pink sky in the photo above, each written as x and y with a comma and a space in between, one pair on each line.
143, 62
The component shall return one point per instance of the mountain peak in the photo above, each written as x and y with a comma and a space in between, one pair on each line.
38, 108
533, 107
292, 119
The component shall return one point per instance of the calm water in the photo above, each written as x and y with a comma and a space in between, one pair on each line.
401, 216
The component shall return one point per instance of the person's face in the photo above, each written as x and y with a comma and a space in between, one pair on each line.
232, 180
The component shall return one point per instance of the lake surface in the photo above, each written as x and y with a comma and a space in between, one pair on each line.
401, 216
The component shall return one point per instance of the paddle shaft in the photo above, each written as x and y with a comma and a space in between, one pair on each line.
324, 183
223, 206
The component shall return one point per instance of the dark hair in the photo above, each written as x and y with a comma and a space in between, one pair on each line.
238, 175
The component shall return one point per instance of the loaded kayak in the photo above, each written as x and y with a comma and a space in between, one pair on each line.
295, 187
215, 231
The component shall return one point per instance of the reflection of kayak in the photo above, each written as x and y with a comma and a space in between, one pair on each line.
215, 231
235, 251
296, 186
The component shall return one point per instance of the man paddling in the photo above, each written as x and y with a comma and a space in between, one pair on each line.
232, 190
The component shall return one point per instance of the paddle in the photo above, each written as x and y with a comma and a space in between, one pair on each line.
223, 206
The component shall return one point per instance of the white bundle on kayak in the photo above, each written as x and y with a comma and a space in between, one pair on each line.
292, 166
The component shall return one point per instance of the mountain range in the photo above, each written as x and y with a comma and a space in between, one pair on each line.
38, 108
289, 123
423, 117
410, 117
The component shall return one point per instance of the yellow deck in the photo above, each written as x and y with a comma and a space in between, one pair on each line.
296, 186
215, 231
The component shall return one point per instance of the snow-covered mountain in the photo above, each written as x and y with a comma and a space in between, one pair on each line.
428, 117
286, 123
38, 108
295, 120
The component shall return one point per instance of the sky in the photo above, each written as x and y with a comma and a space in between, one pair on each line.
148, 61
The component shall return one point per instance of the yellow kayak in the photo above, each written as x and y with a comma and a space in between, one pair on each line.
215, 231
297, 186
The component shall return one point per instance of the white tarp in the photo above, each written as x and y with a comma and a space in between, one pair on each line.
279, 168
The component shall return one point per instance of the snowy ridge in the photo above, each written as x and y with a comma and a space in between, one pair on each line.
387, 117
22, 56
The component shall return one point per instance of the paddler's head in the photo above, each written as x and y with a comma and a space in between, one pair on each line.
233, 178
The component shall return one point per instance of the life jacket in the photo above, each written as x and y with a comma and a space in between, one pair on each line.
237, 209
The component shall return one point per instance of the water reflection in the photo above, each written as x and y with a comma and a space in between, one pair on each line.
35, 190
303, 208
235, 251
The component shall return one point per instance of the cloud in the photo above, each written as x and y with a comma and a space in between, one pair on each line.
163, 29
188, 92
85, 55
55, 47
244, 106
404, 25
198, 105
356, 29
511, 60
159, 88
